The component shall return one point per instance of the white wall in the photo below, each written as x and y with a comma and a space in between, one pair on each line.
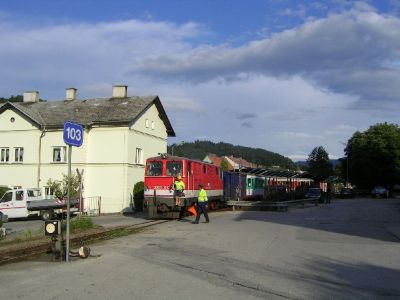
107, 156
19, 133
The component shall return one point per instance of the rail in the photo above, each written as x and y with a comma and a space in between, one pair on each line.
279, 205
25, 250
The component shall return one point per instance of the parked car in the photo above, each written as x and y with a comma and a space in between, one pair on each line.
346, 193
314, 193
379, 191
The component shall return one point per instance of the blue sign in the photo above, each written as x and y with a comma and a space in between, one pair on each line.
73, 134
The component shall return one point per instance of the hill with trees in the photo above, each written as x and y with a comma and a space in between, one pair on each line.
199, 149
17, 98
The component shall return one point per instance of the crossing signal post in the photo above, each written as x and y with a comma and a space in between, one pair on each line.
73, 136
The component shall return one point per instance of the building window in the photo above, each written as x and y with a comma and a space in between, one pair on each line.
4, 155
146, 123
59, 154
139, 156
19, 154
152, 125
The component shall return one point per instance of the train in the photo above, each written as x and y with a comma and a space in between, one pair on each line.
245, 184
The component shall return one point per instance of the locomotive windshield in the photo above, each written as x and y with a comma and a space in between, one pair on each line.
174, 168
154, 168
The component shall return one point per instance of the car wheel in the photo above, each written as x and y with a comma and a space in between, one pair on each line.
47, 214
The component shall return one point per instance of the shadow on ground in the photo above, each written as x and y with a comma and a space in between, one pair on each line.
369, 218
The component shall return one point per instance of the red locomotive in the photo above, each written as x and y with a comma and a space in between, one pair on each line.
162, 171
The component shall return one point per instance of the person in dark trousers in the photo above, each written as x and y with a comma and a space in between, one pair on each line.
202, 205
328, 195
179, 187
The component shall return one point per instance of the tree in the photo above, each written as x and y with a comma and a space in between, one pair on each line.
373, 156
199, 149
224, 164
60, 188
17, 98
319, 165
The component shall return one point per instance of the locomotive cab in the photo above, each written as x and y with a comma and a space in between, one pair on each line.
160, 175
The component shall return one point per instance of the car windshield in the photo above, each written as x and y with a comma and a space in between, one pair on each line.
7, 197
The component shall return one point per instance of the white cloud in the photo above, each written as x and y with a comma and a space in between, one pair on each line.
302, 135
298, 89
298, 156
84, 54
341, 129
344, 53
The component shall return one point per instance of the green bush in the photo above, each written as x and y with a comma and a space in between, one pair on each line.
60, 188
138, 195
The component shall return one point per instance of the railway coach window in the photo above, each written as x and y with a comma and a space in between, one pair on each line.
250, 182
174, 168
154, 168
259, 183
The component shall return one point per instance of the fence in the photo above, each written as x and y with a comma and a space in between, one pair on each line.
92, 206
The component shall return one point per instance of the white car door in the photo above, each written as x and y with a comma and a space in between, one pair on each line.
6, 205
13, 208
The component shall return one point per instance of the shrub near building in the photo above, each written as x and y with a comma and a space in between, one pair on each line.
138, 195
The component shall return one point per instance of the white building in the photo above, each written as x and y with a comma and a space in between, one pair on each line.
119, 134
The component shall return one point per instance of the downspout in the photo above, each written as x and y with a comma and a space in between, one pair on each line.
43, 133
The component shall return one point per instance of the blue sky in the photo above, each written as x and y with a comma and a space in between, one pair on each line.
282, 75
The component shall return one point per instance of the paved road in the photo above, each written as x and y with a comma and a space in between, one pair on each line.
349, 249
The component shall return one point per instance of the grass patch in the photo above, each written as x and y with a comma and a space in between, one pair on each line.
26, 236
79, 224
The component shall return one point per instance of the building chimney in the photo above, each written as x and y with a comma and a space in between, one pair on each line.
31, 96
70, 94
120, 91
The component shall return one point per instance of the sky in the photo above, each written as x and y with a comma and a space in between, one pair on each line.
285, 76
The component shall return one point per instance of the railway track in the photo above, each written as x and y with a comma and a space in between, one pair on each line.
25, 250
